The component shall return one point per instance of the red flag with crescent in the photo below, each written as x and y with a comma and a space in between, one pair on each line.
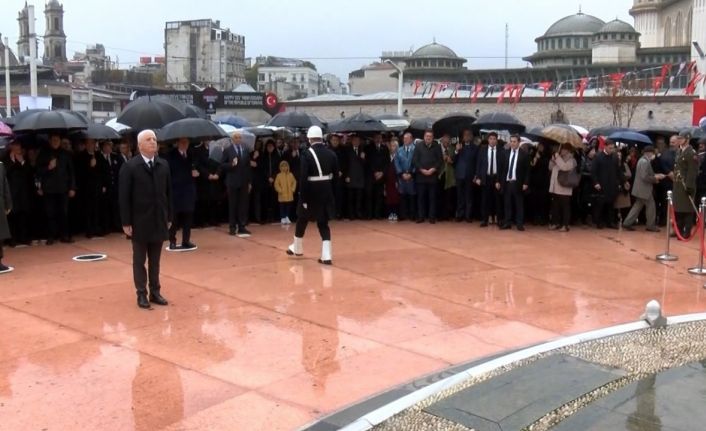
546, 86
476, 91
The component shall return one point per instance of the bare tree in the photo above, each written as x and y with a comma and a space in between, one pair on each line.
624, 97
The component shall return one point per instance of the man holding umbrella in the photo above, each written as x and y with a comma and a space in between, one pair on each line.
55, 170
183, 173
686, 169
316, 199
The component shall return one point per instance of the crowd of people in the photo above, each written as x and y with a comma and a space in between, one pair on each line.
69, 186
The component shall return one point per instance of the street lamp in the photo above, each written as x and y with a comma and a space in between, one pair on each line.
702, 67
400, 80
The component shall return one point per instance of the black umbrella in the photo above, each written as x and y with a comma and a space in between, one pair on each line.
629, 137
192, 128
393, 122
534, 134
499, 121
260, 132
418, 125
100, 132
453, 124
145, 114
233, 120
189, 110
607, 131
695, 132
50, 120
295, 120
659, 131
358, 123
13, 120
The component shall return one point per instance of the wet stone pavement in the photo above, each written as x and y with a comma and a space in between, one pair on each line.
254, 340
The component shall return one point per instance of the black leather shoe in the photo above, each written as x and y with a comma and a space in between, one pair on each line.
172, 246
483, 224
630, 228
432, 221
142, 301
67, 240
188, 246
325, 262
231, 232
50, 242
521, 228
420, 221
504, 227
156, 298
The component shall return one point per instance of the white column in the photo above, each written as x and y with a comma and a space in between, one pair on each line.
8, 91
32, 52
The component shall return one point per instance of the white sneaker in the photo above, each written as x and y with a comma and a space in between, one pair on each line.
394, 217
287, 221
282, 221
391, 217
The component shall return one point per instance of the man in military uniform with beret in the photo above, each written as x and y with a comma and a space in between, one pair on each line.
686, 169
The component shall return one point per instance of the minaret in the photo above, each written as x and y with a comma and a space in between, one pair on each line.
647, 22
54, 37
23, 41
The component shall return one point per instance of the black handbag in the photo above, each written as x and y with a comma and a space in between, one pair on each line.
569, 179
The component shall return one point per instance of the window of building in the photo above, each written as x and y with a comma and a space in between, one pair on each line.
57, 51
613, 36
425, 63
560, 43
568, 43
553, 44
103, 106
260, 76
56, 23
605, 37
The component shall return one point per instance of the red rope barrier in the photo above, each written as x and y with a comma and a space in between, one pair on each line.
699, 226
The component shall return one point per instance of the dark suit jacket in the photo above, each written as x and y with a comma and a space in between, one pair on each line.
145, 199
183, 184
354, 168
606, 171
239, 175
522, 167
482, 163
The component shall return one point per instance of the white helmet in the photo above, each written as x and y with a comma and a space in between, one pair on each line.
315, 132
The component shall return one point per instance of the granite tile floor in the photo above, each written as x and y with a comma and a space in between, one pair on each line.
255, 340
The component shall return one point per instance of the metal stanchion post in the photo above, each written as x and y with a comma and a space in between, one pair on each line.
666, 256
700, 270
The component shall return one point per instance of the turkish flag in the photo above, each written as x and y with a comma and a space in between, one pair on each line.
546, 86
581, 87
657, 84
476, 91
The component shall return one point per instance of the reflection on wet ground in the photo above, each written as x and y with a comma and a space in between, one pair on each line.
254, 340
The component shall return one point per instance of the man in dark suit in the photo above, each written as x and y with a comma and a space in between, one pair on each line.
20, 175
91, 187
183, 172
235, 166
607, 176
514, 178
354, 177
379, 158
109, 170
487, 177
465, 159
146, 214
55, 171
427, 160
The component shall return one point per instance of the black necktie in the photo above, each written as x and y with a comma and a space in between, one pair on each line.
150, 164
492, 161
510, 175
237, 150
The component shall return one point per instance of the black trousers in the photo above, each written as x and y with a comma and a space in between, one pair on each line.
238, 200
324, 229
339, 192
514, 203
426, 200
408, 207
182, 220
603, 212
56, 206
152, 252
18, 221
256, 204
561, 210
378, 199
685, 222
491, 200
355, 203
92, 214
464, 199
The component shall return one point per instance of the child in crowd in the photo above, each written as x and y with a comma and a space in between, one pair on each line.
285, 185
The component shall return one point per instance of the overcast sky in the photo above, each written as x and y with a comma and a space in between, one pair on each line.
337, 36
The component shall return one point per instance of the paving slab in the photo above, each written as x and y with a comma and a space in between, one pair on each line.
513, 400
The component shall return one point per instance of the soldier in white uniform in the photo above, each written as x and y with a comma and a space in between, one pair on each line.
316, 195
